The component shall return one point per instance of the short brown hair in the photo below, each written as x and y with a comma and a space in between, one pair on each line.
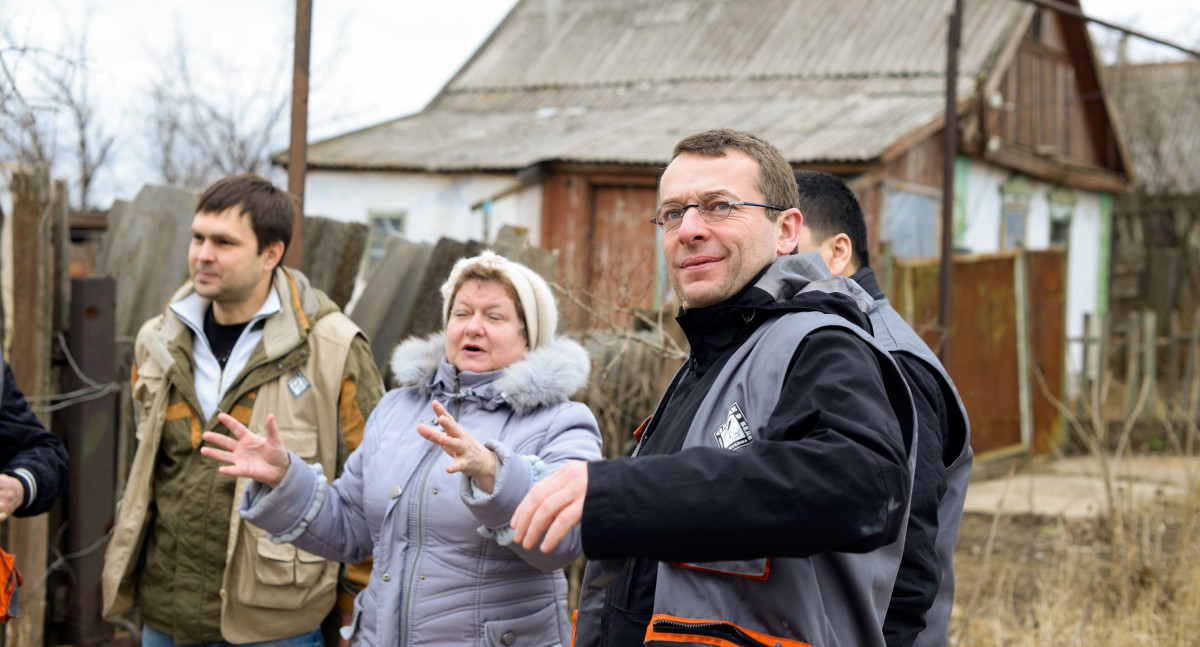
775, 180
487, 274
272, 210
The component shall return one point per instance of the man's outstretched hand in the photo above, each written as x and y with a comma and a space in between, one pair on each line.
263, 459
553, 507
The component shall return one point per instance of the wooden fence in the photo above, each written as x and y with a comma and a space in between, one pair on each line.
1141, 373
39, 289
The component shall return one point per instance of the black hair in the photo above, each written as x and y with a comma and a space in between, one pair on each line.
830, 208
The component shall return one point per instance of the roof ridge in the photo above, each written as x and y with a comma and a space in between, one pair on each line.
699, 79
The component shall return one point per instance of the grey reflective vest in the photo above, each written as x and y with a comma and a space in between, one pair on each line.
829, 598
895, 335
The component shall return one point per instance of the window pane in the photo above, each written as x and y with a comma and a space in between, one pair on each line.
1014, 225
383, 224
910, 221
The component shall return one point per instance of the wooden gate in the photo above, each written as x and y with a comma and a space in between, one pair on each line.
1007, 340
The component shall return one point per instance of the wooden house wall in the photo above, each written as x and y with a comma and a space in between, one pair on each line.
919, 164
1049, 106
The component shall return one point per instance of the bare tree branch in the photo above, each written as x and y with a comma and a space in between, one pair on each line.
203, 133
93, 143
29, 126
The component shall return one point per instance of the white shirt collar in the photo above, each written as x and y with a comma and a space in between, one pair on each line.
192, 307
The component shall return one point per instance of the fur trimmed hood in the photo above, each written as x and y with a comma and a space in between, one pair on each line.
546, 375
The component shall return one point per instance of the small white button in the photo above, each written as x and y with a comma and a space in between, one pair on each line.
387, 578
396, 490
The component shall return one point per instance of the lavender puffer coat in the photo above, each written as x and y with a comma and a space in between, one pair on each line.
436, 578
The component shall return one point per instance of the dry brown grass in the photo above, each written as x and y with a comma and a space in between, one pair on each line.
1026, 580
1130, 577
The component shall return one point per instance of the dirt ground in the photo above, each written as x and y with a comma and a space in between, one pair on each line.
1027, 540
1043, 579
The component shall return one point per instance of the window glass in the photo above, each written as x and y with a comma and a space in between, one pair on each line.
1062, 209
911, 220
1014, 212
383, 224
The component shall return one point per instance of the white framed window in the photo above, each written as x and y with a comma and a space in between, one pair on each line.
383, 224
1014, 211
1062, 210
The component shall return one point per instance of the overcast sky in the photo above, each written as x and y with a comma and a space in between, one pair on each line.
372, 60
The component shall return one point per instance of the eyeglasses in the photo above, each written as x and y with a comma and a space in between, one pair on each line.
713, 208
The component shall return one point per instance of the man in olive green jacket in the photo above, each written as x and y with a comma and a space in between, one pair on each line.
248, 337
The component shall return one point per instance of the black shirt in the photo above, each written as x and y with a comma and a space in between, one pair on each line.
221, 337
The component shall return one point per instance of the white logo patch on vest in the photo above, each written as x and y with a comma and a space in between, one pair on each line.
298, 385
734, 433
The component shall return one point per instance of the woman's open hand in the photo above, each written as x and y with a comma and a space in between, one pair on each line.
470, 456
265, 460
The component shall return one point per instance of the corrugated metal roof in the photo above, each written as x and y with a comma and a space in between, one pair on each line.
621, 81
1157, 109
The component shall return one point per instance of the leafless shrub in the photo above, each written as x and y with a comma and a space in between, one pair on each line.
1129, 577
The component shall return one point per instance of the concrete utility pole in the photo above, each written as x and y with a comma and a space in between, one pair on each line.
298, 150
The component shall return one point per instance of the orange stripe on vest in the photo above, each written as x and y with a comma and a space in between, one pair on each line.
673, 637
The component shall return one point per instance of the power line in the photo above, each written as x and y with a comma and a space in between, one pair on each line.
1071, 10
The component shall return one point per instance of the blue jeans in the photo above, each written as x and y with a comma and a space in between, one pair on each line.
153, 638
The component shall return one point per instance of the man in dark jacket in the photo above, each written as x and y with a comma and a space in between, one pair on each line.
33, 461
768, 491
919, 612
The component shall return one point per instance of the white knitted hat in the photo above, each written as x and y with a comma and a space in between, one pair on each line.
536, 299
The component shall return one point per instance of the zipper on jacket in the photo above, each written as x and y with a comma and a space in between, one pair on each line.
425, 468
198, 334
719, 630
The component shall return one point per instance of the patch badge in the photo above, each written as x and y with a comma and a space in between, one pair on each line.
735, 432
298, 385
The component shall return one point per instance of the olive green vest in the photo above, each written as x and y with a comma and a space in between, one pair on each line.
267, 591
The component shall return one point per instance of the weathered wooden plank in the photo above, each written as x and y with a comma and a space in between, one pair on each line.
147, 253
388, 296
333, 252
30, 361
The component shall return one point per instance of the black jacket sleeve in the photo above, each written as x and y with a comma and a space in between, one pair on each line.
28, 452
920, 569
831, 474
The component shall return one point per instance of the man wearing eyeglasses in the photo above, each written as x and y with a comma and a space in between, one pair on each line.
767, 493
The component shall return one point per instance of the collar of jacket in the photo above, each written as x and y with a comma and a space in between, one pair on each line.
797, 282
192, 308
869, 282
547, 375
299, 305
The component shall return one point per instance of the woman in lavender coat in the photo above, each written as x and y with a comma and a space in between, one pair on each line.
481, 415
